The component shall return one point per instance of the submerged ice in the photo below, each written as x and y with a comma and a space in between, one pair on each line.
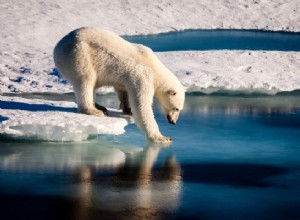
61, 157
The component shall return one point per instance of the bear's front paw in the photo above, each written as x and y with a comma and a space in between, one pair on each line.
160, 139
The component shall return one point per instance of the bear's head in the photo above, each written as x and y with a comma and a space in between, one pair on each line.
172, 102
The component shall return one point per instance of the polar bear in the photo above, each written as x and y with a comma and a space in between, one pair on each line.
91, 57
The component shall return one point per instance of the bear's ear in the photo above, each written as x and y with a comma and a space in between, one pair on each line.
171, 92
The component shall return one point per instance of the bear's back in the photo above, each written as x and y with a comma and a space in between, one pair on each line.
105, 49
105, 41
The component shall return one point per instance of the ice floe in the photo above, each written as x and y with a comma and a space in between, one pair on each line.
53, 121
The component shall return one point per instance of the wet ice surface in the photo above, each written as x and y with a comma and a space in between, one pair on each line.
36, 119
232, 158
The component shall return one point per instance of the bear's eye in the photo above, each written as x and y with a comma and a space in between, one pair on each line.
171, 92
176, 109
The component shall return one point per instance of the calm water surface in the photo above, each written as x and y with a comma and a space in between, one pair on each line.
231, 158
220, 40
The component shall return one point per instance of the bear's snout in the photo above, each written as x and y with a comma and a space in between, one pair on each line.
171, 121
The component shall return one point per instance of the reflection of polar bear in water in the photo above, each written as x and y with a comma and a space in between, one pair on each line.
90, 58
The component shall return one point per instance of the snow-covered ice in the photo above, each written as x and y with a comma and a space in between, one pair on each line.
240, 71
52, 121
199, 71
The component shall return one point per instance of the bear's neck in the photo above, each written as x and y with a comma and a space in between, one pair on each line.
161, 76
164, 82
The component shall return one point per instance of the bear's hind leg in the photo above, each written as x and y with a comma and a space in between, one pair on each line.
85, 99
124, 102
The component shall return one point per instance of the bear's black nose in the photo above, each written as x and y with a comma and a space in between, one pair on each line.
170, 120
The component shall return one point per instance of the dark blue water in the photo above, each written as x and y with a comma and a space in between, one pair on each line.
231, 158
220, 40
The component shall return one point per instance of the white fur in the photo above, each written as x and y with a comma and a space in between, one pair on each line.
90, 58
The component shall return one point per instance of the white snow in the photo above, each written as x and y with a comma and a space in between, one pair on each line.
30, 29
238, 71
52, 121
